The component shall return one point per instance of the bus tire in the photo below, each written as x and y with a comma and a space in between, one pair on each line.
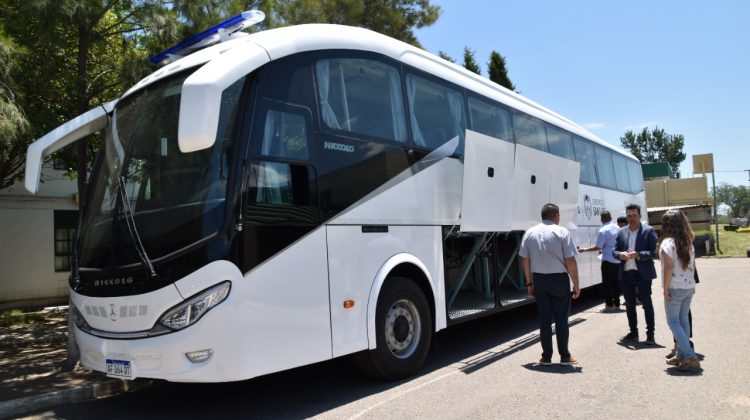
403, 329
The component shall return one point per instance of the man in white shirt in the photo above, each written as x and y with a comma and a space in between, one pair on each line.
606, 239
548, 256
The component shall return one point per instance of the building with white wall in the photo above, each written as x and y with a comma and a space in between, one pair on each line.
36, 234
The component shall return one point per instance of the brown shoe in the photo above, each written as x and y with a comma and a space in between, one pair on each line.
674, 362
568, 360
689, 365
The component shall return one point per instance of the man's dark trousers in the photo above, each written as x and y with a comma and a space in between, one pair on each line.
631, 281
611, 280
552, 292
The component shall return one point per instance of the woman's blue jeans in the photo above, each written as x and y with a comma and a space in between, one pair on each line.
677, 317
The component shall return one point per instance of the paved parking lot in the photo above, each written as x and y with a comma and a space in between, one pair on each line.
487, 369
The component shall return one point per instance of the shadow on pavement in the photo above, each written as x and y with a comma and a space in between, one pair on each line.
639, 345
554, 368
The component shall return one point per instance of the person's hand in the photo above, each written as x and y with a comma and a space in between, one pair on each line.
667, 296
576, 292
530, 289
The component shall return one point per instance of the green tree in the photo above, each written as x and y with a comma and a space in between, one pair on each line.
395, 18
13, 123
498, 71
470, 63
655, 146
442, 54
736, 197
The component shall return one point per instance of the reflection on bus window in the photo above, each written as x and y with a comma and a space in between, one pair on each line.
560, 143
361, 96
437, 112
285, 135
636, 176
585, 156
529, 132
621, 173
604, 168
272, 182
490, 120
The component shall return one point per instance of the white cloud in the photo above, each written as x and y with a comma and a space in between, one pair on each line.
639, 126
593, 125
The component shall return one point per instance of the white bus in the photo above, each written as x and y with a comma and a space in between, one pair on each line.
314, 191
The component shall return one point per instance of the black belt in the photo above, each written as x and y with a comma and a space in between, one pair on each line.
551, 274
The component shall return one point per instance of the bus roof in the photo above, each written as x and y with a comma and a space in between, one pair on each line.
281, 42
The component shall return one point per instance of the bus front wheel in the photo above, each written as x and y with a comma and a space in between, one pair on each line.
403, 328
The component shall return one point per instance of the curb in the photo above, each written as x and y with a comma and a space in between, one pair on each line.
25, 405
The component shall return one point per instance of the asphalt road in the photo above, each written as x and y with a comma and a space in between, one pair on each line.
487, 369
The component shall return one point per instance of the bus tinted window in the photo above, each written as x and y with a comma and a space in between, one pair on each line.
361, 96
529, 132
560, 143
621, 173
585, 156
636, 176
436, 111
284, 135
605, 169
490, 120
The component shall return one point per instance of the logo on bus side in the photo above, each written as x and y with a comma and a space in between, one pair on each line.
339, 147
592, 206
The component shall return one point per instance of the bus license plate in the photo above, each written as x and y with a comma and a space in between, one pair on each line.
119, 369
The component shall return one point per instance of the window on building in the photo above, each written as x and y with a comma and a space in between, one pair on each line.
65, 230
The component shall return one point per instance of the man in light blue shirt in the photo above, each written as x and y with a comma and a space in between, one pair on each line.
548, 258
606, 240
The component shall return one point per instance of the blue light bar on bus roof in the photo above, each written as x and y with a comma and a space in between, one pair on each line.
210, 36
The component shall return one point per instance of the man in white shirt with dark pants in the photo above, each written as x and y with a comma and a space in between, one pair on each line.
548, 259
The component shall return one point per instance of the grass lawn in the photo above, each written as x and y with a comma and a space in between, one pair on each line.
732, 243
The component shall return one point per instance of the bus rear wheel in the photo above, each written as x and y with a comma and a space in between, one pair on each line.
403, 329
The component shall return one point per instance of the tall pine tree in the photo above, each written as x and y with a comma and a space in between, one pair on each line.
498, 72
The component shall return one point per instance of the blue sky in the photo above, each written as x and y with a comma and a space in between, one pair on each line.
683, 66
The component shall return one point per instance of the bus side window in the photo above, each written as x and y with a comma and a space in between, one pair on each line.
621, 173
285, 135
529, 132
361, 96
585, 156
436, 112
636, 176
490, 120
605, 169
560, 143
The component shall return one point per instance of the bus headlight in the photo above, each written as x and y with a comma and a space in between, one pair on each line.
191, 310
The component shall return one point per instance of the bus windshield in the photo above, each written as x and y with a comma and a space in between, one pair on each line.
175, 199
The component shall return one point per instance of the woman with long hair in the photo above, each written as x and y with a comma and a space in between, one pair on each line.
678, 272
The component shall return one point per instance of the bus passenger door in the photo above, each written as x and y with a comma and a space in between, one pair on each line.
283, 246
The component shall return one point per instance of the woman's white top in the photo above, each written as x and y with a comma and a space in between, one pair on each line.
681, 279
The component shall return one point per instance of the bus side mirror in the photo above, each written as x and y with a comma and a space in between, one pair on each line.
200, 103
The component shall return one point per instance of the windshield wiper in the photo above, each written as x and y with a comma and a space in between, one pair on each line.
130, 222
